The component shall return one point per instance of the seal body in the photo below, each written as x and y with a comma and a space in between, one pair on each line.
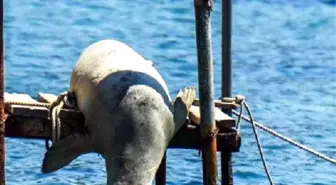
127, 109
128, 112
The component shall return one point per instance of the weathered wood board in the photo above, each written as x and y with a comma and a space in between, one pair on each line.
46, 97
222, 119
33, 122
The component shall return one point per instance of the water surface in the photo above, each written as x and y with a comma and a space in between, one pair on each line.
283, 62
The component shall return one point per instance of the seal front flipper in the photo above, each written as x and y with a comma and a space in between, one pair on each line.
64, 151
182, 104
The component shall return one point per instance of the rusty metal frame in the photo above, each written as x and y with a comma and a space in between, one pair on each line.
2, 103
226, 156
209, 131
208, 128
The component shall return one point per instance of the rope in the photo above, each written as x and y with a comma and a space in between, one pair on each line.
258, 142
239, 116
67, 99
54, 111
37, 104
284, 138
56, 121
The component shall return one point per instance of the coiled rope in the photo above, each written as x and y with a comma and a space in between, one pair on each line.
55, 109
54, 113
37, 104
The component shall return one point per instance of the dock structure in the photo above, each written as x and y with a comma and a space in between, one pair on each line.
206, 91
2, 101
226, 161
30, 119
209, 127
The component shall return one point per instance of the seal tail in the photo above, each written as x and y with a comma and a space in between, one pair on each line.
182, 104
64, 151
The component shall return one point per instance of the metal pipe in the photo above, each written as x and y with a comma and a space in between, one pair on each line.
2, 104
226, 48
206, 90
226, 161
160, 178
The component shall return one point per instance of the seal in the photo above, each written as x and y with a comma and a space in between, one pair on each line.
128, 112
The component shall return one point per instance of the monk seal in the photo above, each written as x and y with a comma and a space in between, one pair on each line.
128, 113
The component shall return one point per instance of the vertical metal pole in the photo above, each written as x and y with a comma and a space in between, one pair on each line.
206, 90
226, 161
2, 104
160, 178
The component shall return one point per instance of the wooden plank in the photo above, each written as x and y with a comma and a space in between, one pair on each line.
188, 137
71, 114
24, 110
28, 111
222, 119
33, 122
17, 97
41, 112
39, 128
46, 97
219, 104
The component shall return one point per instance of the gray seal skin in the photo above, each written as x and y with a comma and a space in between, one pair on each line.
128, 113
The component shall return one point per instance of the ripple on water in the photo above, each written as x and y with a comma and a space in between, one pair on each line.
283, 62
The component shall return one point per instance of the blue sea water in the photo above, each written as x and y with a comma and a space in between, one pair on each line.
284, 56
